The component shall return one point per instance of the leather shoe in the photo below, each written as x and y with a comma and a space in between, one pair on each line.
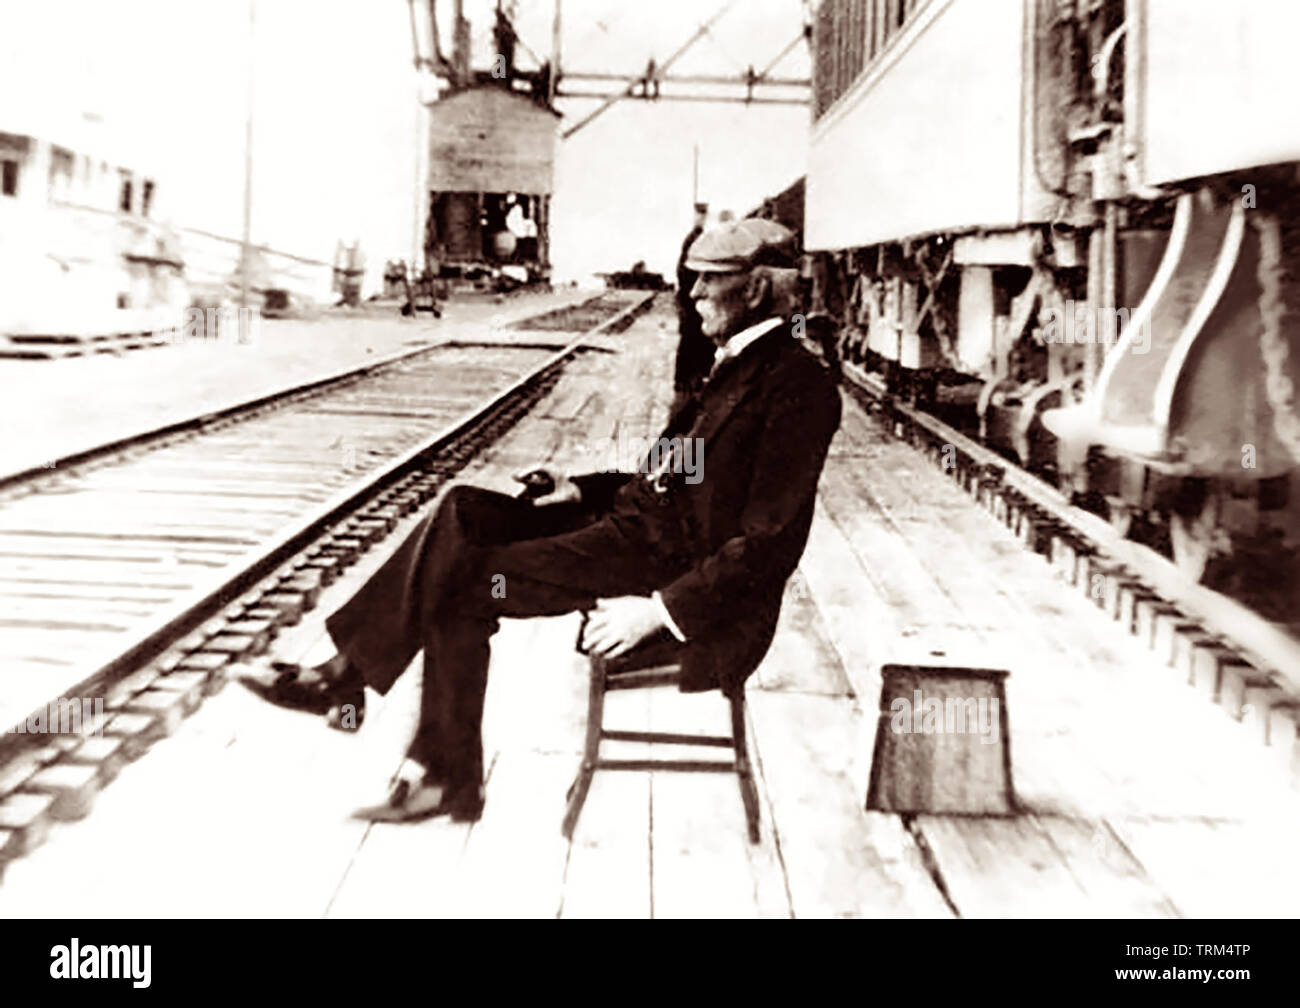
408, 801
307, 689
415, 801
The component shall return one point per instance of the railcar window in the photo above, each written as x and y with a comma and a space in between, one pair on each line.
61, 172
8, 177
848, 36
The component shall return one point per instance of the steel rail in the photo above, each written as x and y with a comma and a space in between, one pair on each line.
1269, 646
281, 397
121, 658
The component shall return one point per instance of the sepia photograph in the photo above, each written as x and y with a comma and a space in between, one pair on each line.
702, 459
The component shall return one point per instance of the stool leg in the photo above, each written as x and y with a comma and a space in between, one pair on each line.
748, 791
591, 752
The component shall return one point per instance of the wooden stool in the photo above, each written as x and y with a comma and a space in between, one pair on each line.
929, 757
656, 664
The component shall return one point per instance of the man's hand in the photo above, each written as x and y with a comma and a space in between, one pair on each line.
617, 625
562, 489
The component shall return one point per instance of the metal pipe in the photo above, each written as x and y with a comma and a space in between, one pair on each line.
441, 65
1101, 82
421, 199
782, 54
461, 56
610, 100
246, 249
1103, 311
695, 177
1101, 71
743, 79
740, 100
556, 40
415, 36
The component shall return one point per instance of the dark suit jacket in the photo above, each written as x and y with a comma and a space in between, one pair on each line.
685, 275
694, 349
766, 420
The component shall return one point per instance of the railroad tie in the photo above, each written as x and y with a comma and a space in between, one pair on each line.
24, 823
60, 779
138, 730
213, 665
72, 786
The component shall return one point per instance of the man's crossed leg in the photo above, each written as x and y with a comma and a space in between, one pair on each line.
479, 556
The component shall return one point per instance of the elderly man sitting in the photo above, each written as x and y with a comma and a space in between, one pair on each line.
704, 559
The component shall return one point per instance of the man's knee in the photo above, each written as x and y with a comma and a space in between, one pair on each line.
476, 513
462, 499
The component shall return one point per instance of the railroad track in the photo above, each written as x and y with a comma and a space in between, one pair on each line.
1246, 664
136, 573
577, 317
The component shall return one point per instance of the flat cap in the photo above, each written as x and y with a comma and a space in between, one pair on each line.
740, 244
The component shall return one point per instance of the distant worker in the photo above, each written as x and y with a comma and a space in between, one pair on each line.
422, 293
395, 277
694, 350
349, 270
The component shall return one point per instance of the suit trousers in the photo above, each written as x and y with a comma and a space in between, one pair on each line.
478, 556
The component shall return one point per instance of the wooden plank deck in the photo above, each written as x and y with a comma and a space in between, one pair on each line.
1141, 799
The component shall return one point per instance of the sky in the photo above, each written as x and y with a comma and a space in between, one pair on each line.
164, 85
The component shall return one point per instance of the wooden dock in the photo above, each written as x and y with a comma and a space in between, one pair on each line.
1138, 798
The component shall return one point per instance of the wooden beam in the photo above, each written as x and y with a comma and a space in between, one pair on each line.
694, 98
612, 99
741, 79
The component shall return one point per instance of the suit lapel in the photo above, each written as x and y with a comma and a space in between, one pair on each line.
680, 422
730, 388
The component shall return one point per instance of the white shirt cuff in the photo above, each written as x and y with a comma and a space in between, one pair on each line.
666, 616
